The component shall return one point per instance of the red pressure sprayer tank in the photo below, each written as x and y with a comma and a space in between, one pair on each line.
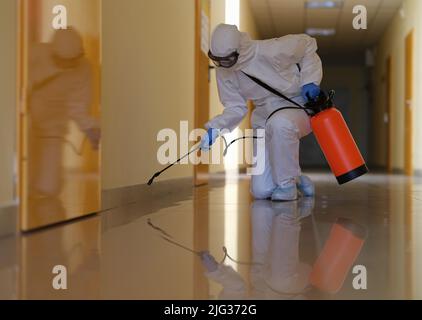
335, 140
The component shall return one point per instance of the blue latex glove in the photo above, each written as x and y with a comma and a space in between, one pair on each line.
209, 138
310, 91
208, 261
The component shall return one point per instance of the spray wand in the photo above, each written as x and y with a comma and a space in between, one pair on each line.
198, 147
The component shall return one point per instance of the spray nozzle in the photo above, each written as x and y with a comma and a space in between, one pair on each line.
150, 181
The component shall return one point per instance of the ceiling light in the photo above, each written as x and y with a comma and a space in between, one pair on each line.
321, 32
315, 4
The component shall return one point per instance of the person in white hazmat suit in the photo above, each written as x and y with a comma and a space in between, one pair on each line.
289, 65
276, 271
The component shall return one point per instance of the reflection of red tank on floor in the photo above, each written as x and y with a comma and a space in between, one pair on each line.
341, 250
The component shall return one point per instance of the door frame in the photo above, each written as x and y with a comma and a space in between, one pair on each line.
408, 104
388, 79
202, 89
200, 177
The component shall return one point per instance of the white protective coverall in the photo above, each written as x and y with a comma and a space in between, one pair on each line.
276, 62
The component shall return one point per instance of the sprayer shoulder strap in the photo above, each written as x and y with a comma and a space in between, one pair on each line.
272, 90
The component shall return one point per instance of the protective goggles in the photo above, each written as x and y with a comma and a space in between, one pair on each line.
224, 62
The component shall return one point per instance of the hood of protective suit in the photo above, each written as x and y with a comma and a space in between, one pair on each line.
67, 44
227, 38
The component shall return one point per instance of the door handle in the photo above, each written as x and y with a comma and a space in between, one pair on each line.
386, 117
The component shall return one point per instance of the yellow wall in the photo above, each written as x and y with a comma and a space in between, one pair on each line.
147, 84
247, 24
8, 35
148, 55
392, 43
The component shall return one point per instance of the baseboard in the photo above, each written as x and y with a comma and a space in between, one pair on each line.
398, 171
8, 219
418, 173
117, 197
375, 168
139, 200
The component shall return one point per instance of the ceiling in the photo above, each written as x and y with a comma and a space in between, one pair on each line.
276, 18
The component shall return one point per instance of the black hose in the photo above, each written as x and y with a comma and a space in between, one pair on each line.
227, 145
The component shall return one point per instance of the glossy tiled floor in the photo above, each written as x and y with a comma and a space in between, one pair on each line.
286, 250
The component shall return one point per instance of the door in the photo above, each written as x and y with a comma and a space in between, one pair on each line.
202, 90
408, 105
201, 216
59, 82
389, 161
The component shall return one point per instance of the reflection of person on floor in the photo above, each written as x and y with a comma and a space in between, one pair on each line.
276, 271
60, 90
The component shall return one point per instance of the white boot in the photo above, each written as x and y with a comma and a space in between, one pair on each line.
287, 192
306, 186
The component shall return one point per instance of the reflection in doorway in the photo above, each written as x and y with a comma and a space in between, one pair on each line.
59, 113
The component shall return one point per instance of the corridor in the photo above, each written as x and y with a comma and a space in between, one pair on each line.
139, 137
143, 250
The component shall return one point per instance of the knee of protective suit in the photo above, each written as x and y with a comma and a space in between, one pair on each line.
261, 192
281, 126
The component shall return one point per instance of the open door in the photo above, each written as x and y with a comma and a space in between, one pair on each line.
408, 162
389, 161
202, 87
202, 93
58, 121
408, 125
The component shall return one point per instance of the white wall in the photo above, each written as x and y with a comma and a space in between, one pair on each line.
8, 41
147, 84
